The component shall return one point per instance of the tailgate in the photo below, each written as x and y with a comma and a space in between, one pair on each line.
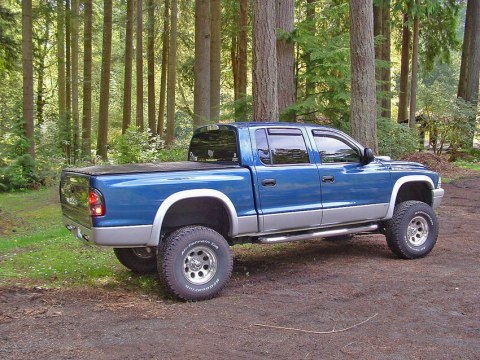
74, 189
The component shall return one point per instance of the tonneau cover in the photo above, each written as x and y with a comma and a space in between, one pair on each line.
149, 168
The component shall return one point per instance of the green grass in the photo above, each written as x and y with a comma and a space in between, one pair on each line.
472, 165
37, 250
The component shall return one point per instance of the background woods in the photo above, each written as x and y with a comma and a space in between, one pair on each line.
383, 70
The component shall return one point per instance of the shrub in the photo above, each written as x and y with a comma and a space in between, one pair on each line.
396, 139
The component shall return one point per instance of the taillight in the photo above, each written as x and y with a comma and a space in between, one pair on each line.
96, 203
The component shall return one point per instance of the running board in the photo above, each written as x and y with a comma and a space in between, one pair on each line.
317, 234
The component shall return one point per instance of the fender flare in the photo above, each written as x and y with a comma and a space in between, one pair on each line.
398, 184
191, 194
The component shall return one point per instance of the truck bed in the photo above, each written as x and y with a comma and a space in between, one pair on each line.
150, 168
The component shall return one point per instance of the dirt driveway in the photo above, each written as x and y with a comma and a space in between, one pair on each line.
389, 308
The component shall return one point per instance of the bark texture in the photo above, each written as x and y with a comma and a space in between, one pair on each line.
386, 71
139, 63
127, 80
201, 102
413, 81
102, 138
151, 67
309, 83
61, 72
473, 67
215, 59
362, 115
404, 70
163, 76
239, 62
172, 70
27, 65
75, 103
285, 56
265, 99
467, 35
87, 81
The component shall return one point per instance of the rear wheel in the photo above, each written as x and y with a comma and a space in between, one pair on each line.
140, 260
194, 263
413, 230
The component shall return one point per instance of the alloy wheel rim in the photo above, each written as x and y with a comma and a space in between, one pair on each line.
417, 231
200, 265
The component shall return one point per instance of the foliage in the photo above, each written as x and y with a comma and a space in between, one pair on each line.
396, 139
439, 32
329, 52
447, 119
17, 169
9, 43
140, 147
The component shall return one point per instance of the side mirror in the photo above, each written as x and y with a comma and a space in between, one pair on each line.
368, 156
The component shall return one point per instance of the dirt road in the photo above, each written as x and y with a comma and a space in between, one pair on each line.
422, 309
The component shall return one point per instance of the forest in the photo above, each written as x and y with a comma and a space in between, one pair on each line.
95, 82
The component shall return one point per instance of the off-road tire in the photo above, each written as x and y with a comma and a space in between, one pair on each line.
412, 231
139, 260
194, 263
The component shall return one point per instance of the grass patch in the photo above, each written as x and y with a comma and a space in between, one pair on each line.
37, 250
472, 165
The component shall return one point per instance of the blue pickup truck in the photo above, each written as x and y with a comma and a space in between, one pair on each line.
248, 182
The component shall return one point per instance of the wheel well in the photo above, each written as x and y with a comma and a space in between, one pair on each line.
205, 211
416, 190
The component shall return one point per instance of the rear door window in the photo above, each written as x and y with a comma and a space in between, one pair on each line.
281, 146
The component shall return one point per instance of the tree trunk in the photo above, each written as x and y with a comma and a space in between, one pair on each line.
234, 60
265, 99
172, 75
467, 35
201, 102
241, 63
105, 80
163, 80
413, 81
42, 43
61, 74
68, 83
139, 121
75, 108
473, 67
378, 32
152, 124
309, 84
27, 65
127, 82
362, 113
87, 81
285, 57
405, 58
386, 72
215, 59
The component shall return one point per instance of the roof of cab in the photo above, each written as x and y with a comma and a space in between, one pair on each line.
270, 124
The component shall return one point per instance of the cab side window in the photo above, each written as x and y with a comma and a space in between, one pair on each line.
281, 146
335, 150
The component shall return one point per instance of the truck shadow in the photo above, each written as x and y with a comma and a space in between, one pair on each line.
255, 258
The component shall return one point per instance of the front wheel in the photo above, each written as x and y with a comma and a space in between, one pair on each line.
140, 260
412, 231
194, 263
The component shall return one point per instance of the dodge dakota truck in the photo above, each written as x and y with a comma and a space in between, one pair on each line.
262, 183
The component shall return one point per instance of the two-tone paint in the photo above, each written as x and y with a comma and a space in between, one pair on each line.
259, 199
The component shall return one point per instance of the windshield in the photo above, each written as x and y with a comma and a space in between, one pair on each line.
214, 145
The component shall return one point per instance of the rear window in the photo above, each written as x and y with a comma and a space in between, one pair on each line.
214, 145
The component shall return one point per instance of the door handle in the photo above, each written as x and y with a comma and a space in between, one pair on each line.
328, 179
269, 182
